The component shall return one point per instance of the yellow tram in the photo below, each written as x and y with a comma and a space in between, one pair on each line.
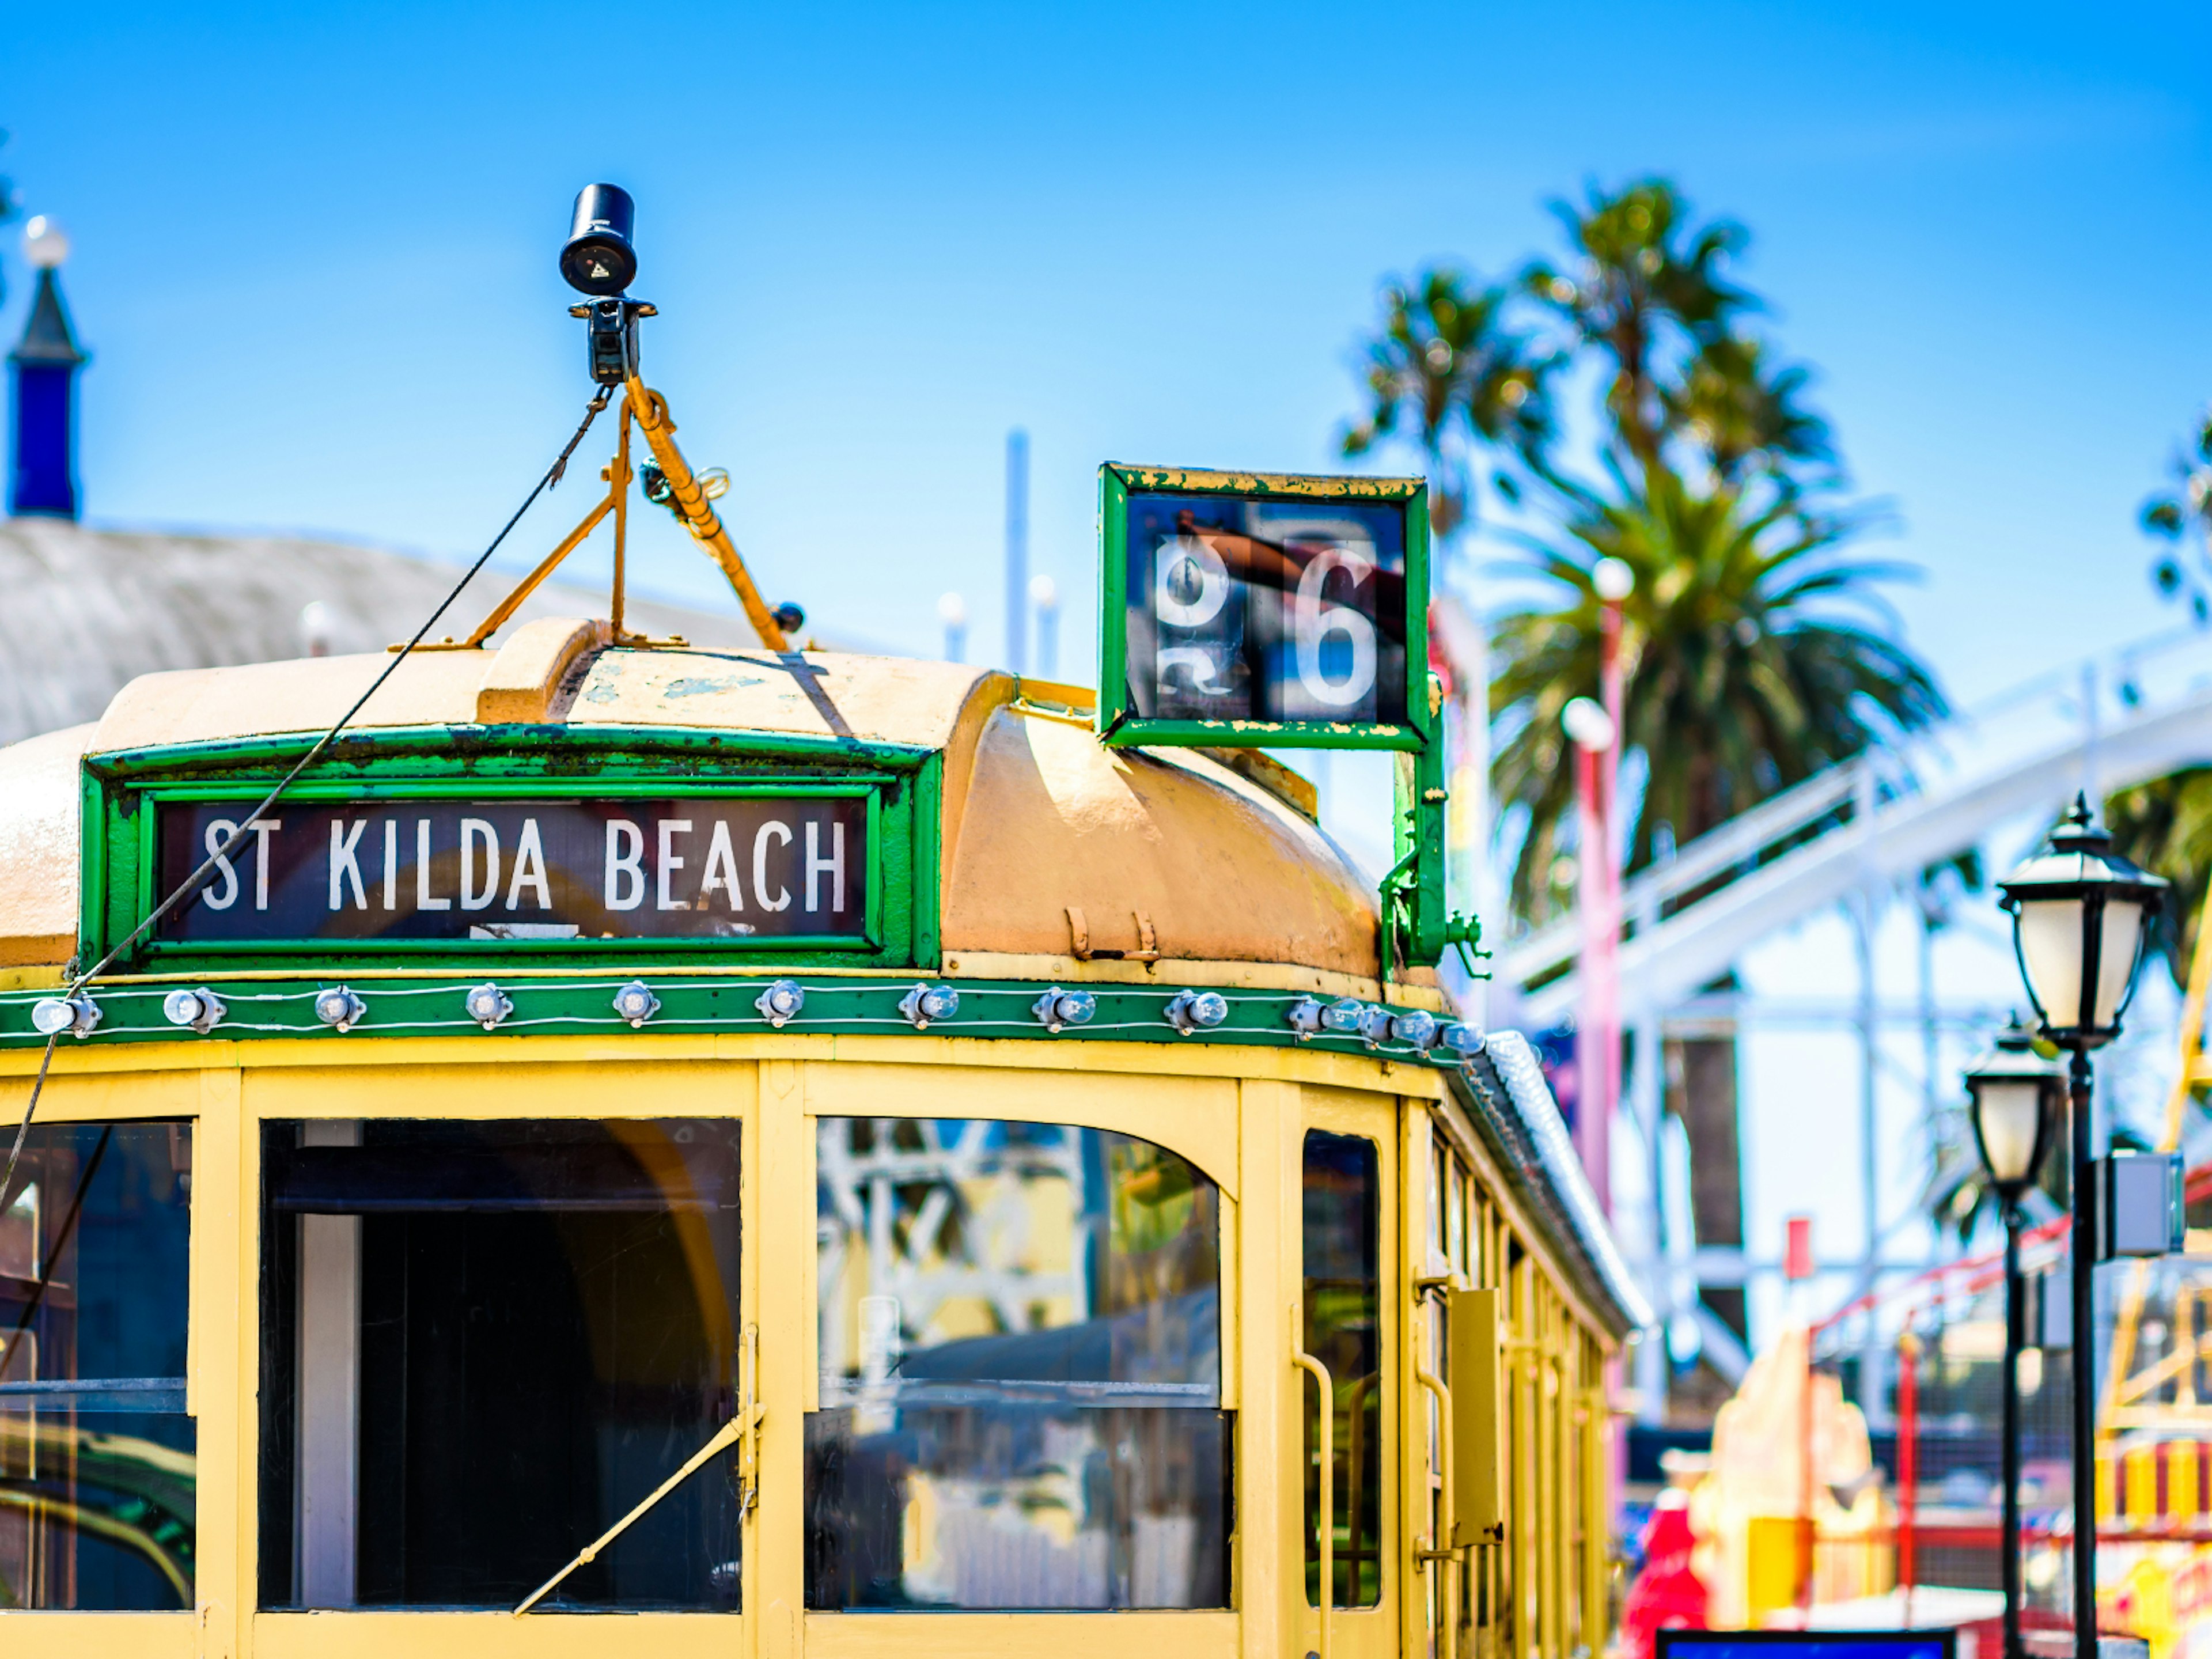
792, 1152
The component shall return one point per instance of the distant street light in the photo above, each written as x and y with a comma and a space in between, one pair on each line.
953, 611
2081, 918
2015, 1094
45, 245
1044, 594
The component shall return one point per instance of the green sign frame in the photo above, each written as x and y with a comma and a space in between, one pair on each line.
1121, 726
900, 786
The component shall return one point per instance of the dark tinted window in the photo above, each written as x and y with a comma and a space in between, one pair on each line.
97, 1475
1342, 1301
1021, 1372
485, 1342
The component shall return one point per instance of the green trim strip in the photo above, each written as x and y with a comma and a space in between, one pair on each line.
281, 1007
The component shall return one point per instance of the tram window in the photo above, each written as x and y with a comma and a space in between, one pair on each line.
97, 1472
1020, 1371
1342, 1302
482, 1343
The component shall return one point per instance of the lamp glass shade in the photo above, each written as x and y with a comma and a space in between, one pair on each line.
2053, 945
2124, 919
2051, 948
2008, 1113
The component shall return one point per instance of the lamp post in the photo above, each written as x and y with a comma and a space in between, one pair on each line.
1596, 729
2015, 1093
2081, 915
953, 611
1597, 1032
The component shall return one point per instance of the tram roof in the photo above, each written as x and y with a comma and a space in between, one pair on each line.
1040, 819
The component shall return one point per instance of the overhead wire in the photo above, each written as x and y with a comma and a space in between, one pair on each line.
192, 883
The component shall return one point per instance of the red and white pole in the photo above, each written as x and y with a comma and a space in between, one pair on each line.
1596, 729
1597, 1031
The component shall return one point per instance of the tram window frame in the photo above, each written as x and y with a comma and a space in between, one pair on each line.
615, 1377
84, 1260
1000, 1408
1324, 1337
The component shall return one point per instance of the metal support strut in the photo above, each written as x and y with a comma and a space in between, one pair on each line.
688, 499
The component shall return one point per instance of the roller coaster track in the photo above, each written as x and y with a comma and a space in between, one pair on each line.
1879, 819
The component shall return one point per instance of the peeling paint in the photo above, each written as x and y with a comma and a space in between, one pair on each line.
699, 688
1311, 486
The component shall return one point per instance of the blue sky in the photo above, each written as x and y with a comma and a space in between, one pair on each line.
314, 258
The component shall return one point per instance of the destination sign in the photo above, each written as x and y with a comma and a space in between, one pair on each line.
763, 866
1261, 610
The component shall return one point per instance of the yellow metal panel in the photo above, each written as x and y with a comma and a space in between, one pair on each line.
1267, 1558
781, 1210
96, 1635
1597, 1499
1417, 1519
1368, 1632
1231, 1303
101, 1097
499, 1086
1007, 1635
219, 1338
241, 1592
810, 1255
1477, 1385
494, 1635
1194, 1116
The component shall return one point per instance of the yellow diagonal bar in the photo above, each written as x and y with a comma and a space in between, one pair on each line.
698, 515
724, 1437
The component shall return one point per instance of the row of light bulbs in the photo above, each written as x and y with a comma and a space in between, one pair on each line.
342, 1008
1375, 1025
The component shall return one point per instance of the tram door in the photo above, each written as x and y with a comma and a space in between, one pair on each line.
1348, 1351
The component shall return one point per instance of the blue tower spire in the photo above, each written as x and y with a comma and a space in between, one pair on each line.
43, 366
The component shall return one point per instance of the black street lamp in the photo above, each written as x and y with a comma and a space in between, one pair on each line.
2081, 918
2015, 1094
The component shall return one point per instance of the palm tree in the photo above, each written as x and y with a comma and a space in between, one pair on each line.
1446, 374
1757, 655
2172, 516
1644, 290
2166, 826
1743, 413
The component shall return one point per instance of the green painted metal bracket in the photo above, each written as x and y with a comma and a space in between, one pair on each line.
1417, 924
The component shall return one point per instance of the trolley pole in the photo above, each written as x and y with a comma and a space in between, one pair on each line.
2082, 1238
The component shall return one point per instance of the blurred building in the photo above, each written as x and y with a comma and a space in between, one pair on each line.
89, 609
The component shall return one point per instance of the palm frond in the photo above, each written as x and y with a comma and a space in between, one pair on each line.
1749, 666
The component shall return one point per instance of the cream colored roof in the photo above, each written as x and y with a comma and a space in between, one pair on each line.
547, 674
1054, 844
